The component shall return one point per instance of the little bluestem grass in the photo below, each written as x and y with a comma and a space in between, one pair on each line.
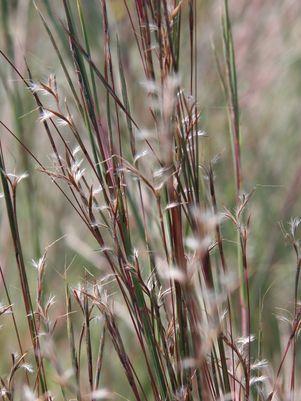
146, 196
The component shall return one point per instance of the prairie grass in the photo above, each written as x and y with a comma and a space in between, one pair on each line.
171, 302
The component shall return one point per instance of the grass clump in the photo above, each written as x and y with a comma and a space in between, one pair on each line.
168, 310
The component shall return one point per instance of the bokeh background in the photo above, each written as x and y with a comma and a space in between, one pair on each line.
268, 52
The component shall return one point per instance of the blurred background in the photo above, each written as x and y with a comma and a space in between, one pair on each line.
268, 52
